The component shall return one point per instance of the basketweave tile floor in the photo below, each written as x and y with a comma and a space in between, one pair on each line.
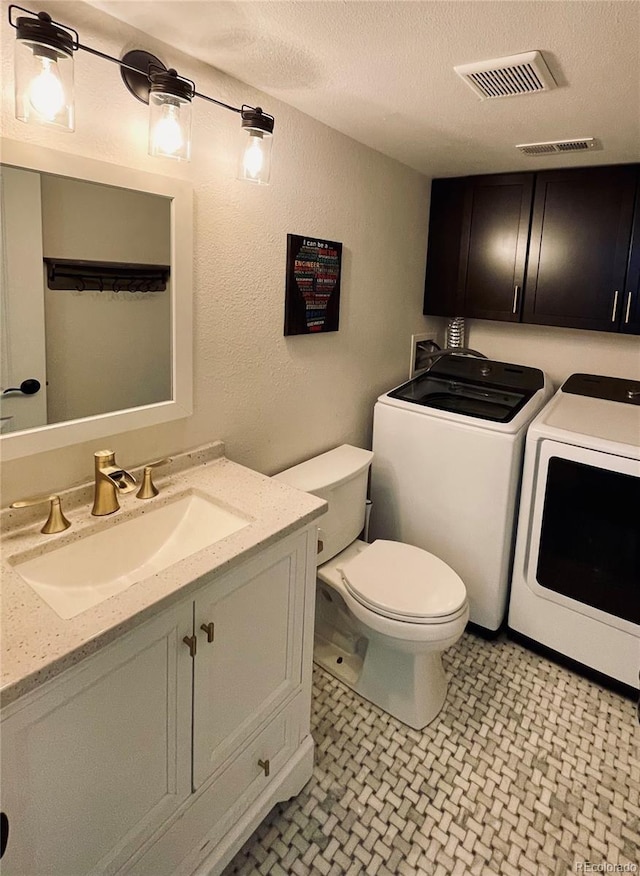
528, 769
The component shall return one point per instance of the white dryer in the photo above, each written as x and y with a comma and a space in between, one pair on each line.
448, 450
576, 574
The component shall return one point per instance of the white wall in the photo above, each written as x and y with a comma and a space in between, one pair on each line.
558, 351
273, 400
276, 400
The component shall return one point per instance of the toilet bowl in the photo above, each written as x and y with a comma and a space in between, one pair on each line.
388, 657
385, 611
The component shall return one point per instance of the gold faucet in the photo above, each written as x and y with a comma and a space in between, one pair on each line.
56, 521
110, 479
147, 488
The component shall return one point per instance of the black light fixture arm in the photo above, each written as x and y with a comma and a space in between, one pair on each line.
221, 103
74, 44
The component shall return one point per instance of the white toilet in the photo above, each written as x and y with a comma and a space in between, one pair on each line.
385, 611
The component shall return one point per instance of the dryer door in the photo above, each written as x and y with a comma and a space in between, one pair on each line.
585, 537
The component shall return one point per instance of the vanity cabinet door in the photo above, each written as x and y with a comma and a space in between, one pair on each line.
253, 664
97, 758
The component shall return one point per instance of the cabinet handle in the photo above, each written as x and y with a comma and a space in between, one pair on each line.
192, 642
628, 309
264, 764
615, 306
516, 293
320, 545
209, 630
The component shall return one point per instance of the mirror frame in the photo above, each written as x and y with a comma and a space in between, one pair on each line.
14, 445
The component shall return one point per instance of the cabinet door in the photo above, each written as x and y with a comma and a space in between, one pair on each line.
442, 292
96, 759
493, 248
630, 311
254, 662
580, 235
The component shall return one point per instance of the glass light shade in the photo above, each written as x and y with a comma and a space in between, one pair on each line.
255, 156
169, 126
44, 85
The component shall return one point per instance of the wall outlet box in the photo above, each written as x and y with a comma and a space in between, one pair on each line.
421, 345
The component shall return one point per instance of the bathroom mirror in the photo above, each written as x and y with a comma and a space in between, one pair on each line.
95, 296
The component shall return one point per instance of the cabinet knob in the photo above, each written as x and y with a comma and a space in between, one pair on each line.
192, 643
209, 630
264, 765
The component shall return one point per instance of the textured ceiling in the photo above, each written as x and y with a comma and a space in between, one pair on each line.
382, 72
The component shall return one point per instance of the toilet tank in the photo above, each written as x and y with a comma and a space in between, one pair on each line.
340, 478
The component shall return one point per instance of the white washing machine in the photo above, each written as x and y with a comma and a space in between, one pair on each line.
448, 450
576, 573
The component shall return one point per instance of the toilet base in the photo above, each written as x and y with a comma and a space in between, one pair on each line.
410, 686
343, 664
416, 702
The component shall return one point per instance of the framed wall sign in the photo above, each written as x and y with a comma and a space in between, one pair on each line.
312, 297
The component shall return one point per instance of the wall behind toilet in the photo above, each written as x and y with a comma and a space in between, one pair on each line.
273, 400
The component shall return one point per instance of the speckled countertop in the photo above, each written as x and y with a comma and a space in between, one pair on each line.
37, 644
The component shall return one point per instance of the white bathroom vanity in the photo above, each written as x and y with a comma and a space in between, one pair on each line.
151, 733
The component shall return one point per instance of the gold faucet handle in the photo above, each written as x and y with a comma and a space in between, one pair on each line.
56, 521
147, 488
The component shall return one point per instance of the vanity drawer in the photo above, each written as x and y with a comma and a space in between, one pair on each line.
218, 807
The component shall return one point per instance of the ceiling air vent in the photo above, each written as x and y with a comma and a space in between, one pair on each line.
554, 146
504, 77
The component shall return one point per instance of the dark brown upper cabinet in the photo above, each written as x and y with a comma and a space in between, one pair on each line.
558, 247
478, 233
493, 250
630, 305
443, 297
579, 247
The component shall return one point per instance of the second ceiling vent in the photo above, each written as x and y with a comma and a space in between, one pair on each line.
526, 73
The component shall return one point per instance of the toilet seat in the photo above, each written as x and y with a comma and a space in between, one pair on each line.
404, 583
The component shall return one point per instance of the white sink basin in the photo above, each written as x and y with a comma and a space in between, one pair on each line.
82, 574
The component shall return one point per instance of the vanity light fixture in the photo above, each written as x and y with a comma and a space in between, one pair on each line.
44, 93
44, 71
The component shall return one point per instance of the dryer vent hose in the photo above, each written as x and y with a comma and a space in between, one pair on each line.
455, 333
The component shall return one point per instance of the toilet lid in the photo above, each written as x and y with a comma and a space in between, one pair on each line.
397, 579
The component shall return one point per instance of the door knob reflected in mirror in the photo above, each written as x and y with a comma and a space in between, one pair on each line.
4, 833
27, 387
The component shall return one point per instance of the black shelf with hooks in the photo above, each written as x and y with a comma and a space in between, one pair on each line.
84, 276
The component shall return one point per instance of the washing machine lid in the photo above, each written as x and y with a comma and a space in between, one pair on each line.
473, 387
402, 581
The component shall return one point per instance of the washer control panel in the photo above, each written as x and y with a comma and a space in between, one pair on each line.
616, 389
